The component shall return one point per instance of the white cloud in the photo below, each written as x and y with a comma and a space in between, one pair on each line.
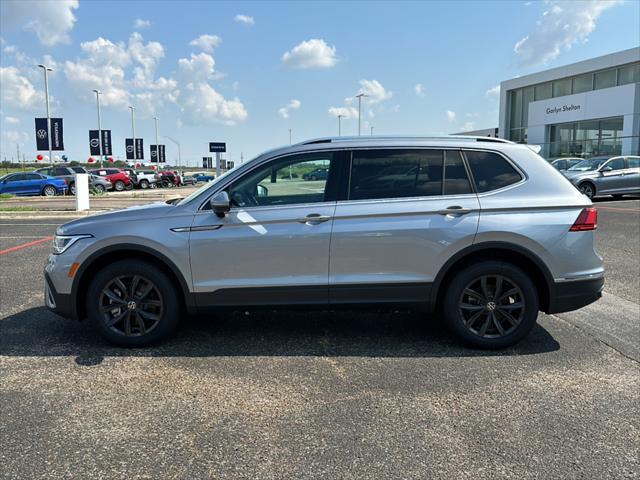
206, 42
292, 105
419, 89
313, 53
11, 137
50, 21
493, 92
141, 24
472, 115
451, 116
11, 120
246, 19
18, 92
374, 90
346, 112
468, 126
562, 25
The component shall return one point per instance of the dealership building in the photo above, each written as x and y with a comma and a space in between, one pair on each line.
580, 110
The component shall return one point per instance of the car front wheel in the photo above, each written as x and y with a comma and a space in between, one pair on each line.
119, 185
144, 184
49, 191
132, 303
587, 189
491, 304
99, 188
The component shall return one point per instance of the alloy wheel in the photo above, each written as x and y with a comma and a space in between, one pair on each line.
492, 306
131, 305
49, 191
587, 189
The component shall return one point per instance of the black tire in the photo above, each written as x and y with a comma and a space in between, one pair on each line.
99, 188
119, 185
159, 320
72, 188
588, 189
506, 323
49, 191
144, 184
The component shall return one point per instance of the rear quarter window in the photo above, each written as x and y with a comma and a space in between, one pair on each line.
491, 171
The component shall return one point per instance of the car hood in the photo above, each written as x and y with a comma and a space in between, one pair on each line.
574, 175
142, 213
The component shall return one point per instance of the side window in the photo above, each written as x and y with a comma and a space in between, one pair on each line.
57, 172
18, 177
32, 176
287, 181
395, 174
616, 164
456, 181
491, 171
45, 171
634, 162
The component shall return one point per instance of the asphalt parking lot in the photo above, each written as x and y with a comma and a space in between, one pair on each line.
321, 395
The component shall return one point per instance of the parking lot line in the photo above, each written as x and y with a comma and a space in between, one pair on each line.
25, 245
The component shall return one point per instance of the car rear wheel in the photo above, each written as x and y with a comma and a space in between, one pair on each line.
144, 184
132, 303
491, 304
49, 191
587, 189
98, 188
119, 185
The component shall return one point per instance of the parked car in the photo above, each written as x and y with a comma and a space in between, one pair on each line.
189, 180
317, 174
168, 179
133, 175
117, 177
79, 169
565, 163
99, 184
32, 183
606, 175
64, 173
178, 177
503, 237
203, 177
147, 178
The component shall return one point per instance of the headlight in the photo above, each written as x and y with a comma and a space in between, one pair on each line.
62, 242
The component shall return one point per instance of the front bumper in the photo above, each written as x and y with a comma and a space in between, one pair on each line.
58, 303
568, 296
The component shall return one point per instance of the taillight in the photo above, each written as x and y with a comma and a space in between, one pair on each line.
587, 220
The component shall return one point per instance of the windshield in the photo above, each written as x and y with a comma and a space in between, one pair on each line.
205, 187
588, 165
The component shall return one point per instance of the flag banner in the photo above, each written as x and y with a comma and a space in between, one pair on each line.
42, 134
217, 147
128, 146
94, 142
161, 154
154, 153
57, 142
139, 149
204, 162
106, 142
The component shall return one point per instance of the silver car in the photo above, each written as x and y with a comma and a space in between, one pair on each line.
483, 231
615, 176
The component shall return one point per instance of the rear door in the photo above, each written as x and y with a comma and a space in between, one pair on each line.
405, 212
632, 175
33, 183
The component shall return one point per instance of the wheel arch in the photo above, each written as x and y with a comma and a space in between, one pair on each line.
590, 182
104, 256
521, 257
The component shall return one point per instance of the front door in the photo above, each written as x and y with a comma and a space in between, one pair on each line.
407, 211
273, 246
612, 181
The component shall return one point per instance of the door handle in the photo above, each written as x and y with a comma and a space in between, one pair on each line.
314, 219
454, 210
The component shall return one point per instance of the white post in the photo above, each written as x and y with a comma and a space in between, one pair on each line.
359, 97
98, 92
82, 191
46, 95
340, 125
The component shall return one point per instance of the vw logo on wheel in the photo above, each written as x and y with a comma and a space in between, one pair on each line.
94, 142
129, 148
42, 134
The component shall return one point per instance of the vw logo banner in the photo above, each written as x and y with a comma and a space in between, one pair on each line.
42, 135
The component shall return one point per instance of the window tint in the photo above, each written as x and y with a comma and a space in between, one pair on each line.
491, 171
395, 174
112, 171
32, 176
45, 171
287, 181
456, 181
616, 164
78, 169
634, 162
605, 79
18, 177
59, 172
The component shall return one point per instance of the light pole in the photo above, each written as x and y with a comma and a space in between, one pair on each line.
289, 136
359, 97
372, 131
340, 125
155, 119
46, 95
133, 131
98, 93
178, 145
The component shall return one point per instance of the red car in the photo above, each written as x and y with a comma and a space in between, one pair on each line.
117, 177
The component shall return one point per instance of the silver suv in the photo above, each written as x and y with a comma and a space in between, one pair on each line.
482, 231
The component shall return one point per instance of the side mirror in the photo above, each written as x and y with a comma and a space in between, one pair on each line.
262, 191
220, 204
606, 169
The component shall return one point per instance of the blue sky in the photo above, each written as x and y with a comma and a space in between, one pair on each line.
429, 67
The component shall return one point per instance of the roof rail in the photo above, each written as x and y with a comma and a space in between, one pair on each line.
373, 138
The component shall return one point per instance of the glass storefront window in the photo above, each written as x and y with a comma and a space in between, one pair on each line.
629, 74
516, 109
562, 87
527, 97
543, 91
586, 139
605, 79
583, 83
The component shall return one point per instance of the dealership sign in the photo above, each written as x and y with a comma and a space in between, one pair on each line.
217, 147
562, 109
94, 142
158, 153
134, 152
42, 134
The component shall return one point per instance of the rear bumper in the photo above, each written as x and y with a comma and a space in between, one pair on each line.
568, 296
58, 303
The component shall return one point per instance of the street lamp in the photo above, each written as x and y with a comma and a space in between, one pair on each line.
359, 97
340, 125
98, 93
46, 94
178, 145
289, 136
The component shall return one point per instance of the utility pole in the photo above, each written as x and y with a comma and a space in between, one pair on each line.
46, 94
340, 125
133, 131
289, 136
372, 131
359, 97
98, 93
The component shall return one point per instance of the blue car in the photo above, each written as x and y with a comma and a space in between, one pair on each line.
32, 183
201, 177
